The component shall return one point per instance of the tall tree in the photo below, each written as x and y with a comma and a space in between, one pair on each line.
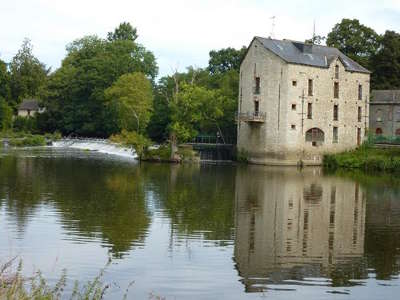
28, 75
76, 102
4, 81
6, 115
356, 40
130, 97
386, 63
224, 60
125, 31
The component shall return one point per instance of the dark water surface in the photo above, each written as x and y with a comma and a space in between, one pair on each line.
201, 232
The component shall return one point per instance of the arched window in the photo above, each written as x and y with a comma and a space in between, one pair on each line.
316, 136
398, 131
378, 131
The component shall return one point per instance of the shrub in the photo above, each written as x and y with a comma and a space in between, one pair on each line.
25, 124
132, 139
28, 141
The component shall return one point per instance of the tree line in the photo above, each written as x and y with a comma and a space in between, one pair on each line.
106, 86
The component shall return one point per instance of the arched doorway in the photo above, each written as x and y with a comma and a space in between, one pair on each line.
398, 131
316, 136
378, 131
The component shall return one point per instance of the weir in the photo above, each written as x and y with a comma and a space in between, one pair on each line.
99, 145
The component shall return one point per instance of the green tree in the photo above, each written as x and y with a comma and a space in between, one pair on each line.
226, 59
76, 101
195, 109
355, 40
131, 98
27, 75
125, 31
4, 81
386, 63
6, 115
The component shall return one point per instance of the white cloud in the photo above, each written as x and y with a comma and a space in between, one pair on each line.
179, 32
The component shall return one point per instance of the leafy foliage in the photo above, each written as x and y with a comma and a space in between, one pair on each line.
28, 75
225, 60
132, 139
356, 40
130, 97
76, 101
386, 62
6, 115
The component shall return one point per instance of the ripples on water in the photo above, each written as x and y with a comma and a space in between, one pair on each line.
204, 232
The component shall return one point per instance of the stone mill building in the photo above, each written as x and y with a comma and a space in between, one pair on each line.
298, 101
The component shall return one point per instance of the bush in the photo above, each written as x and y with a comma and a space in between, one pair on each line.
25, 124
28, 141
132, 139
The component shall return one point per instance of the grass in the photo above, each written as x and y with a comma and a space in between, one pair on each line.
365, 158
22, 139
13, 285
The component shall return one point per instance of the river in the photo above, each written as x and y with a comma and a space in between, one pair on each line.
200, 231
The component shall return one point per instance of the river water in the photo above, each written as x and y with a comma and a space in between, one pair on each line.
200, 232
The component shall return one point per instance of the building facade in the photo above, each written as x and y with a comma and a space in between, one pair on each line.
298, 101
29, 108
385, 113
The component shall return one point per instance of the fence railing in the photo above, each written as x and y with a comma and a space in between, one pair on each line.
259, 117
212, 139
384, 139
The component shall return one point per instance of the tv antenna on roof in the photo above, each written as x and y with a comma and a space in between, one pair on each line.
272, 27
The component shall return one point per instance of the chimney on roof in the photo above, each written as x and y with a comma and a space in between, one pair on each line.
303, 47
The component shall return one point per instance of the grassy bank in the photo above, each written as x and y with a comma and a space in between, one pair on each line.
22, 139
15, 286
365, 158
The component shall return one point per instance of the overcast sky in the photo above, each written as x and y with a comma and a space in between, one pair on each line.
180, 33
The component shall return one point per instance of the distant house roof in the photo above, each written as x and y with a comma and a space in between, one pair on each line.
308, 54
385, 96
29, 104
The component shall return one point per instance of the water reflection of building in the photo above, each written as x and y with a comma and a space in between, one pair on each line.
291, 225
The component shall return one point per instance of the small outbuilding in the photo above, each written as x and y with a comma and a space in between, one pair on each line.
385, 113
29, 108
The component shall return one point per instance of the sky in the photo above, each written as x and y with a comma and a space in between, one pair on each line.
180, 33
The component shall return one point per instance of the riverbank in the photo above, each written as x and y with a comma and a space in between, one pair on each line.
22, 139
367, 158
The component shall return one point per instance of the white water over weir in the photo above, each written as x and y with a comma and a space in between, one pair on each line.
99, 145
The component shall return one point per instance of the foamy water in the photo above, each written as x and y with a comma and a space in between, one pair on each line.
102, 146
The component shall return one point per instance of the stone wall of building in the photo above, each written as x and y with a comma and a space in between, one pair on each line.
385, 118
282, 138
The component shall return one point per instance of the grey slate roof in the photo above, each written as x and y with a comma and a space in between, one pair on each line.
385, 96
29, 104
311, 55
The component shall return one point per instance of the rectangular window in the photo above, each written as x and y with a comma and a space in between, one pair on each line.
256, 108
335, 112
310, 87
335, 135
309, 111
359, 115
293, 127
336, 90
294, 83
336, 72
257, 87
359, 92
293, 106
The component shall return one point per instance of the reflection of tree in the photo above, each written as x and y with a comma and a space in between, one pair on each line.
294, 225
95, 198
196, 198
19, 190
